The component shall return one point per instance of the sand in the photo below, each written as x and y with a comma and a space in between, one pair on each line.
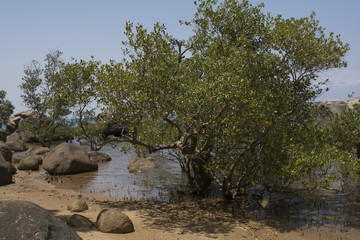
191, 220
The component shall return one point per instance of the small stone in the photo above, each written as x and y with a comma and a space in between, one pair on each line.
114, 221
78, 221
29, 163
78, 206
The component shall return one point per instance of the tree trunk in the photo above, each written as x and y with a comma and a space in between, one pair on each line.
358, 150
201, 178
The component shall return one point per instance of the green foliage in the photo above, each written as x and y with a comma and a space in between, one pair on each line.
230, 104
40, 94
79, 78
345, 129
230, 101
6, 108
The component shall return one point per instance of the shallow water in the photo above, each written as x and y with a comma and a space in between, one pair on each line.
305, 209
113, 179
291, 211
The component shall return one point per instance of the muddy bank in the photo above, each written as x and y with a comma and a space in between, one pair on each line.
154, 220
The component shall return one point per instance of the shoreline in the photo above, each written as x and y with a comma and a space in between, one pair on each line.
156, 220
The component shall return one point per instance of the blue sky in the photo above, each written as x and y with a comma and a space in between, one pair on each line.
81, 28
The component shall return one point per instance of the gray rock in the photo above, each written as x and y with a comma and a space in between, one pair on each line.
140, 164
39, 158
26, 220
14, 120
78, 206
16, 145
6, 173
6, 152
99, 157
14, 136
25, 114
78, 221
114, 221
331, 107
13, 169
37, 151
3, 135
12, 123
17, 158
68, 158
29, 163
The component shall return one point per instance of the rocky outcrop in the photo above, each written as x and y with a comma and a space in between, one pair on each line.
14, 120
78, 206
99, 157
6, 152
26, 220
78, 221
114, 221
68, 158
6, 173
329, 108
29, 163
140, 164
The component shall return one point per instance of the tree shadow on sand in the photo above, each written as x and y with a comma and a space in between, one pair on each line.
213, 216
201, 216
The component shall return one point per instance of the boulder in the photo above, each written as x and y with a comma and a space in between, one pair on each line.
14, 120
6, 152
25, 114
99, 157
12, 123
68, 158
26, 220
78, 206
140, 164
16, 145
6, 173
39, 158
78, 221
114, 221
17, 158
3, 135
13, 169
331, 107
37, 151
29, 163
14, 136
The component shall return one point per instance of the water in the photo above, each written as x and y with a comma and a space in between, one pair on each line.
290, 211
113, 179
339, 210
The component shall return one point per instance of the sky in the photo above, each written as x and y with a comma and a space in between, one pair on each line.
84, 28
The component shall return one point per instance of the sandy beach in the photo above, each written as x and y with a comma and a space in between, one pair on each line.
153, 220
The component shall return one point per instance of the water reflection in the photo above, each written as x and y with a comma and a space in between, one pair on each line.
303, 209
113, 179
290, 211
